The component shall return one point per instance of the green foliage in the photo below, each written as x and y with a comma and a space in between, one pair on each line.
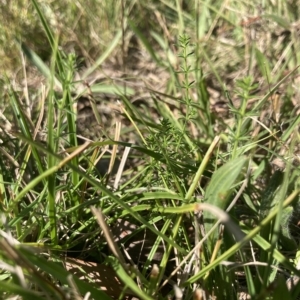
220, 189
241, 129
200, 193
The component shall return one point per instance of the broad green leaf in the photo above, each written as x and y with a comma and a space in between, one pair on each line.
270, 197
287, 239
220, 187
280, 288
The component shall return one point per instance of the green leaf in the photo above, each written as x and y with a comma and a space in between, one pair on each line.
104, 55
253, 234
270, 199
130, 283
286, 238
41, 66
280, 288
144, 41
263, 64
283, 22
220, 187
26, 294
112, 89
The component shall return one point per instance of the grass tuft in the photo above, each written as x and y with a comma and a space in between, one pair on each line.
149, 150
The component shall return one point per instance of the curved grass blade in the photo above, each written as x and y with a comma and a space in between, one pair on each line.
144, 41
253, 234
50, 36
104, 56
41, 66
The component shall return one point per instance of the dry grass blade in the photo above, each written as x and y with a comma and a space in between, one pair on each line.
121, 167
108, 236
115, 148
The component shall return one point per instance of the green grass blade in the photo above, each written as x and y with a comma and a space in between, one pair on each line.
53, 144
263, 64
112, 89
293, 126
143, 39
127, 280
104, 56
49, 35
16, 289
68, 107
42, 67
23, 122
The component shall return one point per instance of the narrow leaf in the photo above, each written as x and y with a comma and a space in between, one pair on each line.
37, 61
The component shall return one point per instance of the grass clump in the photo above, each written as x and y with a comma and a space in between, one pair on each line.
170, 161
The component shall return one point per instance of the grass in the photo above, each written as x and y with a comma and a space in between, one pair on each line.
149, 149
